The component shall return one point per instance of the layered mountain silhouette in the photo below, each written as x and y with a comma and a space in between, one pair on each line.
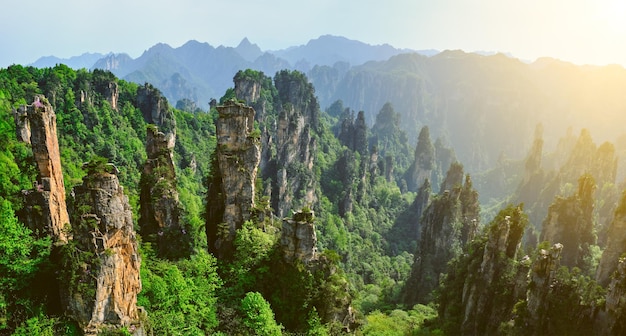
484, 105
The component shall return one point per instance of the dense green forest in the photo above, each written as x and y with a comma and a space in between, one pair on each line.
399, 242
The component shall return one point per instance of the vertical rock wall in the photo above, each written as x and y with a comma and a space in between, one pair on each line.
160, 207
36, 124
237, 155
298, 238
102, 263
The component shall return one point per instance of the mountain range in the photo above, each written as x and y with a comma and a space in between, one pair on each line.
199, 71
480, 103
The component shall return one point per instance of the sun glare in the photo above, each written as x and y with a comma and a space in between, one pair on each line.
614, 15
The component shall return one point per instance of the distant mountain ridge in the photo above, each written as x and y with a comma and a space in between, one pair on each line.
86, 60
199, 71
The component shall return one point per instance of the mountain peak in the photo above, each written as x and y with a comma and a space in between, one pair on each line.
248, 50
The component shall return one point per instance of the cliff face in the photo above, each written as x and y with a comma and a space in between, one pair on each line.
101, 265
36, 124
155, 108
423, 167
616, 245
294, 143
446, 225
232, 189
287, 113
353, 132
298, 238
570, 222
160, 220
485, 304
616, 302
542, 277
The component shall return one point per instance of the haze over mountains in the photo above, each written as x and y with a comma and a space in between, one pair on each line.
486, 106
199, 71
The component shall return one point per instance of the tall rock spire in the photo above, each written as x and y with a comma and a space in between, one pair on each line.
232, 189
36, 124
101, 266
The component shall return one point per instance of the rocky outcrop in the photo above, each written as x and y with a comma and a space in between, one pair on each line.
616, 301
298, 238
488, 292
446, 224
232, 188
36, 124
570, 222
294, 142
160, 209
616, 245
101, 265
247, 88
353, 132
419, 205
155, 108
111, 93
423, 167
288, 116
542, 277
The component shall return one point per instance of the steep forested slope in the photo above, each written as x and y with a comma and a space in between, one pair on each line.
267, 215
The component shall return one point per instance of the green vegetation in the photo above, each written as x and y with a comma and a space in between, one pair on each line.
359, 187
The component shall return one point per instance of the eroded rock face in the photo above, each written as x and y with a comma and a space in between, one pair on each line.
616, 301
249, 90
570, 222
36, 124
542, 275
102, 263
616, 245
484, 305
446, 225
231, 193
155, 108
423, 168
298, 238
160, 207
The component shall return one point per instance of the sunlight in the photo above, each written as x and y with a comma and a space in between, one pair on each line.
613, 13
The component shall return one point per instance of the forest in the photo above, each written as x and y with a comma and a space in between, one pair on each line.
125, 214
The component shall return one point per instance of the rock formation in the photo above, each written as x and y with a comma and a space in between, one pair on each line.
101, 265
298, 238
488, 293
542, 276
616, 301
616, 245
451, 217
111, 94
288, 115
160, 210
423, 167
36, 124
155, 108
419, 205
353, 132
246, 88
295, 144
232, 188
570, 222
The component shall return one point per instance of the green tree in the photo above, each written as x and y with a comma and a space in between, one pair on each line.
21, 255
258, 315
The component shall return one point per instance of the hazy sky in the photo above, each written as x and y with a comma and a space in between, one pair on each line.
579, 31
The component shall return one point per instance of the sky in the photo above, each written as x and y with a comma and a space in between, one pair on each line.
578, 31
